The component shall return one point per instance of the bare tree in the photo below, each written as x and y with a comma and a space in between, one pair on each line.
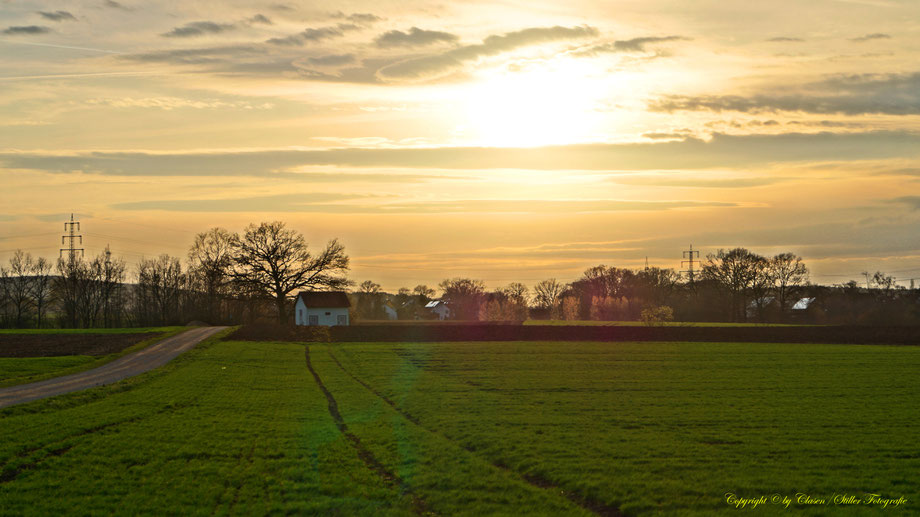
789, 275
736, 271
41, 288
546, 295
210, 260
16, 286
159, 289
110, 274
276, 261
518, 292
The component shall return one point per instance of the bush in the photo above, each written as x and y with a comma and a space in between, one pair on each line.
654, 316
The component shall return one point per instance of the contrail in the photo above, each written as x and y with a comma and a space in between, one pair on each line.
62, 46
62, 76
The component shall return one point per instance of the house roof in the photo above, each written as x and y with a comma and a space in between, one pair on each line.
803, 304
324, 298
434, 303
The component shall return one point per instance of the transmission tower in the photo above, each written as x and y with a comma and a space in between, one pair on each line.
690, 255
71, 239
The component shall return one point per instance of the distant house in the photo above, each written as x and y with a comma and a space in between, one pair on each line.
439, 309
321, 308
803, 304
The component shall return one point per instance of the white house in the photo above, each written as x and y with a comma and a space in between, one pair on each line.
321, 308
440, 308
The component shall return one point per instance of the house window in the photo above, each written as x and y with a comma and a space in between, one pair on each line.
314, 320
300, 316
342, 319
328, 314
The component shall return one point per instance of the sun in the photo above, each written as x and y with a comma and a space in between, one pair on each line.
547, 104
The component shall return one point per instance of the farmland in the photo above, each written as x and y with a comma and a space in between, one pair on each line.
474, 428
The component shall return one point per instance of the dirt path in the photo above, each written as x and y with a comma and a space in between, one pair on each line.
130, 365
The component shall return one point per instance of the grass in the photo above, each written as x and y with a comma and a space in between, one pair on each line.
473, 429
23, 370
591, 323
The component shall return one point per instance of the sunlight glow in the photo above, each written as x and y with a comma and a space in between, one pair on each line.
546, 104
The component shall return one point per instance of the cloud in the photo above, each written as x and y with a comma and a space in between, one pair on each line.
890, 94
171, 103
194, 29
28, 29
345, 203
784, 39
414, 38
722, 151
912, 202
332, 60
57, 16
870, 37
446, 62
363, 18
629, 45
196, 55
311, 35
116, 5
259, 19
675, 181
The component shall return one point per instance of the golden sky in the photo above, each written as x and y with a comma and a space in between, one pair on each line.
507, 141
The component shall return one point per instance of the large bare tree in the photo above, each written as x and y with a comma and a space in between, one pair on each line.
277, 261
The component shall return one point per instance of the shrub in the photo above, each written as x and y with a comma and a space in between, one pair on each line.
654, 316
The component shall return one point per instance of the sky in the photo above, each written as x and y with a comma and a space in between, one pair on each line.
508, 141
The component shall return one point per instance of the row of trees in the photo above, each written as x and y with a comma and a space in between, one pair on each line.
228, 278
732, 285
235, 278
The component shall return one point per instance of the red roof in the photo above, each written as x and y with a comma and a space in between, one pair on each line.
316, 299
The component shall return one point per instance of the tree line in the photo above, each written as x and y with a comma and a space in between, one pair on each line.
228, 278
735, 285
231, 278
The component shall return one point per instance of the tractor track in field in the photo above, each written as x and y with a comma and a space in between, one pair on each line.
586, 503
8, 475
389, 477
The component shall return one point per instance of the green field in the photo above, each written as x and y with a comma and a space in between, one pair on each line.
592, 323
474, 429
22, 370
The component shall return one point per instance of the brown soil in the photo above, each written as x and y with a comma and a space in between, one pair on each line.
49, 345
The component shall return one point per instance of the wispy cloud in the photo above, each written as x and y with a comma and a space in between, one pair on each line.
722, 151
314, 34
785, 39
414, 38
193, 29
26, 29
351, 203
259, 19
870, 37
116, 5
891, 94
629, 45
443, 63
57, 16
